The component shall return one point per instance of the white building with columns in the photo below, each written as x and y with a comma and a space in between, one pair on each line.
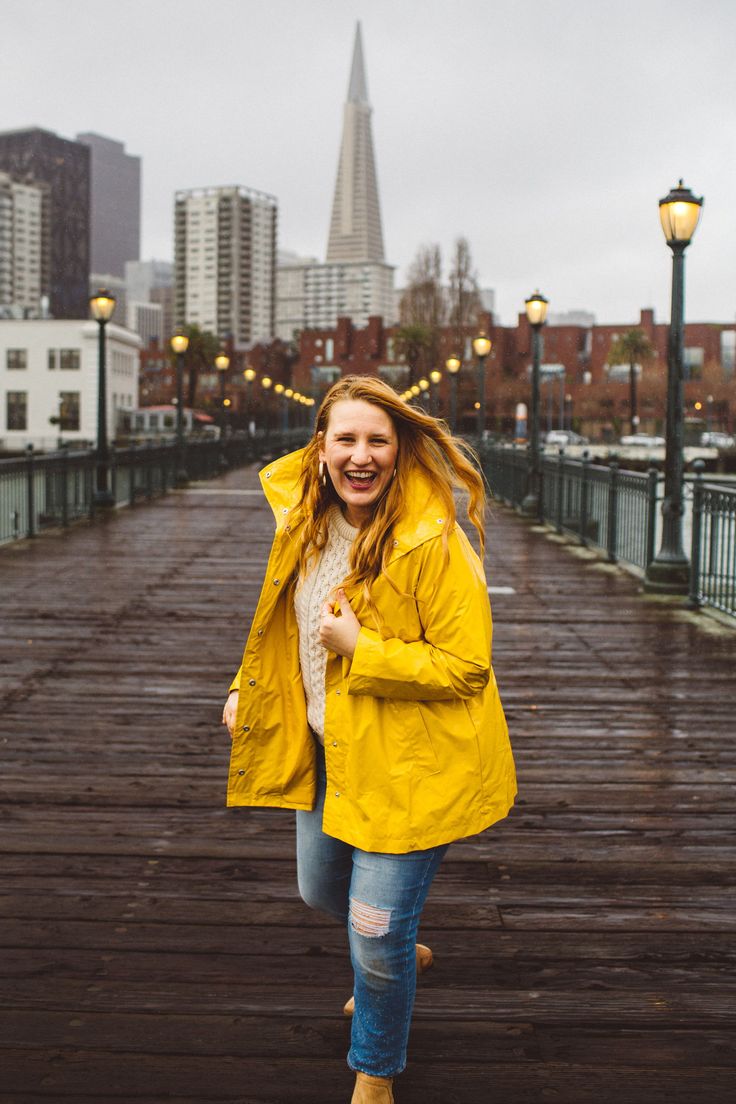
49, 369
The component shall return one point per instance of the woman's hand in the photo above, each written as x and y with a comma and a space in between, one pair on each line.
339, 634
228, 713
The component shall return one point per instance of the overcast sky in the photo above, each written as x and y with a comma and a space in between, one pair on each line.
543, 132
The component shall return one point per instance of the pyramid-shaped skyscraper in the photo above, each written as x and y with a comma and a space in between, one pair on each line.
355, 280
355, 228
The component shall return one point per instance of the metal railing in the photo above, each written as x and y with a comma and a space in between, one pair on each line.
603, 506
39, 492
713, 559
617, 511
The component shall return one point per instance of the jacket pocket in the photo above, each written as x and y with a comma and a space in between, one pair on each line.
423, 753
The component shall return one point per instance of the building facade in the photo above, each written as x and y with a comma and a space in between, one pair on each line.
579, 388
48, 370
41, 157
23, 244
115, 205
153, 282
225, 262
355, 279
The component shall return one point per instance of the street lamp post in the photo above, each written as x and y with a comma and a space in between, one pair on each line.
222, 363
536, 313
481, 347
102, 306
284, 403
423, 385
669, 571
266, 383
452, 364
249, 375
179, 345
434, 392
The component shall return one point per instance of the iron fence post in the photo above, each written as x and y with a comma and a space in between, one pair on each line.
652, 482
31, 495
585, 475
149, 471
612, 536
64, 477
560, 488
694, 595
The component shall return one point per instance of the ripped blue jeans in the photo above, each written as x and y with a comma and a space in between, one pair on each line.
379, 897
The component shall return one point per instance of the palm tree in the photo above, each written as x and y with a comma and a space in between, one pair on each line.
632, 348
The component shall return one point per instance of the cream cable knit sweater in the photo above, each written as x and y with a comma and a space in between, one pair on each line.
325, 574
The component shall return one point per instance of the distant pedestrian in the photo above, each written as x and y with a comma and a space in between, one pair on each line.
366, 699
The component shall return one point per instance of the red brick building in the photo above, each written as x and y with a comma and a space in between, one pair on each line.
578, 386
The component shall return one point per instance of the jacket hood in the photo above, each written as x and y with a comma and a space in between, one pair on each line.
424, 517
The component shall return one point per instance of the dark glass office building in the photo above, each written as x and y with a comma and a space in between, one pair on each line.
64, 167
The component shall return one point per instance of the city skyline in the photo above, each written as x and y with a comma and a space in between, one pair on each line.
545, 136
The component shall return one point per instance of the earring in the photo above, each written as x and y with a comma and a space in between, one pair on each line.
321, 473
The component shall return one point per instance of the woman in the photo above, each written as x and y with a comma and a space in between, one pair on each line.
366, 698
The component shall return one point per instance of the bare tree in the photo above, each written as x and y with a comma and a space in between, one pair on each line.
423, 301
464, 294
423, 312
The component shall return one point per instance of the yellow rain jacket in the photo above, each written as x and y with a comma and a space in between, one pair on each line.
416, 743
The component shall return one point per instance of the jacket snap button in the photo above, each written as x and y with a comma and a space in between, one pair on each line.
285, 510
337, 691
337, 794
246, 728
268, 475
334, 743
276, 582
260, 632
241, 772
251, 682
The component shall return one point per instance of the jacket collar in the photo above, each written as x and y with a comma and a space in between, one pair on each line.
423, 519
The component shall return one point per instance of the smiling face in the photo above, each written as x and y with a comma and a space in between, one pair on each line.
359, 450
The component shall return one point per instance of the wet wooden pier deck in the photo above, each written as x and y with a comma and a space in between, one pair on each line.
153, 945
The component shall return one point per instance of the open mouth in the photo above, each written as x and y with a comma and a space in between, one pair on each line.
360, 481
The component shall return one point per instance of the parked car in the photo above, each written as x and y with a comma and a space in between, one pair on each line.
562, 437
717, 440
645, 440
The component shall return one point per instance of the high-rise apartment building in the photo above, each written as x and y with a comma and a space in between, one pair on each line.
40, 157
225, 262
115, 205
355, 279
22, 248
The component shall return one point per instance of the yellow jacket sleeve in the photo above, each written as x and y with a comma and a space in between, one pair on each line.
235, 684
453, 659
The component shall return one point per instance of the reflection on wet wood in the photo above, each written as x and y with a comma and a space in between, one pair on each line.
154, 946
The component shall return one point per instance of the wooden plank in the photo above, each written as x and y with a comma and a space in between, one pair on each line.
154, 945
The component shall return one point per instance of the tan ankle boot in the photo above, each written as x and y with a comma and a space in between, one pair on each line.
425, 958
372, 1090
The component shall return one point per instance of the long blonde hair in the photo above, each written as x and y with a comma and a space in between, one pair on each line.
424, 444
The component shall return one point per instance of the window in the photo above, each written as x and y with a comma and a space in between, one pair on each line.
69, 359
17, 410
68, 410
692, 362
53, 359
16, 358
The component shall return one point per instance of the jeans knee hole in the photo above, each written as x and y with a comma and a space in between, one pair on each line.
368, 920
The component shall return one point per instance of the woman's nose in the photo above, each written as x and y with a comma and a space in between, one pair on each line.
361, 454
